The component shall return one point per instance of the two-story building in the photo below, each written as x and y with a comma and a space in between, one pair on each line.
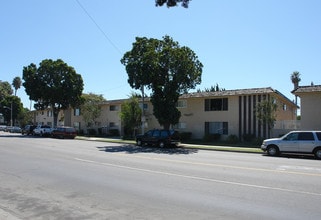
310, 99
229, 112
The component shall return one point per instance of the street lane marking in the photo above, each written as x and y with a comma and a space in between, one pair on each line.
199, 178
277, 170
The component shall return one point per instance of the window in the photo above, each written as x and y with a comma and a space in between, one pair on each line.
113, 108
181, 104
180, 125
216, 104
77, 125
145, 106
216, 128
49, 113
76, 111
164, 133
292, 137
318, 135
156, 133
306, 136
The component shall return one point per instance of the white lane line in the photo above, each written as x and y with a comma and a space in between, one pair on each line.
199, 178
300, 168
277, 170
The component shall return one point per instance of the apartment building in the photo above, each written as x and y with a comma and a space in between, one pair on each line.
229, 112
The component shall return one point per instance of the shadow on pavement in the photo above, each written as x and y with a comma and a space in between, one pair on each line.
295, 156
133, 149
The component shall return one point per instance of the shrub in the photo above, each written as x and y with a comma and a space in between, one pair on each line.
248, 137
114, 132
81, 132
185, 136
211, 137
91, 131
257, 141
232, 139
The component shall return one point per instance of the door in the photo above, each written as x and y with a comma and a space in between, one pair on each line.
290, 143
307, 142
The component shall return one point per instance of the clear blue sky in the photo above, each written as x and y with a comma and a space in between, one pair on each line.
242, 44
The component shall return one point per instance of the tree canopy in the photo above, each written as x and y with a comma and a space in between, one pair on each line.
131, 115
11, 104
91, 109
295, 79
266, 112
5, 89
172, 3
54, 85
166, 68
16, 83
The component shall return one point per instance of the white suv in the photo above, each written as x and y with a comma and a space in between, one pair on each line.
294, 142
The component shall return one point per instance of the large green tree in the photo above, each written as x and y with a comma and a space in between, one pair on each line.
11, 107
172, 3
53, 85
167, 69
91, 108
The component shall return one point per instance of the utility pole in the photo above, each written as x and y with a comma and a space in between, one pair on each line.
11, 116
143, 113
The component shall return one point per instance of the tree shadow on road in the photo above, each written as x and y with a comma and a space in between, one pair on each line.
133, 149
294, 156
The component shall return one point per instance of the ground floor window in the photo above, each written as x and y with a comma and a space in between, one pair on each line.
216, 128
180, 125
77, 125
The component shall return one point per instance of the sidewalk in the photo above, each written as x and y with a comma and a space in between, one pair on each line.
190, 146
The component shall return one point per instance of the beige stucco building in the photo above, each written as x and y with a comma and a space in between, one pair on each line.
230, 112
310, 99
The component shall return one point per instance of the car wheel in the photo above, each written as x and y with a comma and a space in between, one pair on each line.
272, 150
161, 144
317, 153
139, 142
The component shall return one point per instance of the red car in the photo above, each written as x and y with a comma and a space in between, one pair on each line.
64, 132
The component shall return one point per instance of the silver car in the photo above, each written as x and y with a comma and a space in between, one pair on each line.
294, 142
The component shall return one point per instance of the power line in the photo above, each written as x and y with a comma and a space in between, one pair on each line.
99, 28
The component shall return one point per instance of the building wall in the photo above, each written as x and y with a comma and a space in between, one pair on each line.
194, 116
45, 117
310, 111
238, 119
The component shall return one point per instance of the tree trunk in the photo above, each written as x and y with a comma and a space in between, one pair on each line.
166, 126
55, 113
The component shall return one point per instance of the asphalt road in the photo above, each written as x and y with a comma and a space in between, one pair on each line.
44, 178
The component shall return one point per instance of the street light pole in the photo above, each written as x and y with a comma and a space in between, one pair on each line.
11, 115
143, 113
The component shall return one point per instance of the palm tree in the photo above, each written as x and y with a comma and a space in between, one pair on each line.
16, 84
295, 78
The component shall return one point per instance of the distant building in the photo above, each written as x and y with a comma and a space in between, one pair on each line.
310, 99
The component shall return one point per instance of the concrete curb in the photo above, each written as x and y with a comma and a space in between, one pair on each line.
189, 146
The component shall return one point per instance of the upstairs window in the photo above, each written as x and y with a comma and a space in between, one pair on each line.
113, 108
181, 104
220, 104
145, 106
76, 111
